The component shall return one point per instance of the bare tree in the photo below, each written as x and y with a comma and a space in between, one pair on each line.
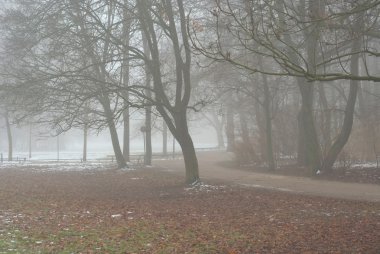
174, 113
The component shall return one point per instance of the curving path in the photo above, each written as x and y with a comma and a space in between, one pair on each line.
209, 170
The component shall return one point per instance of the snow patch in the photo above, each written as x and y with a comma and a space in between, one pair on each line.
266, 187
201, 187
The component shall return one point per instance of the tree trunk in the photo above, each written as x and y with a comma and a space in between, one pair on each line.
218, 126
164, 138
126, 134
9, 133
148, 136
125, 78
301, 149
308, 139
311, 146
148, 109
244, 128
114, 137
268, 125
188, 150
85, 131
348, 121
175, 115
230, 130
325, 119
30, 141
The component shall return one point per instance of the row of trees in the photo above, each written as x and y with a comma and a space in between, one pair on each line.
87, 63
289, 71
315, 55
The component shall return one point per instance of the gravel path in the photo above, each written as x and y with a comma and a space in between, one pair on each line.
210, 170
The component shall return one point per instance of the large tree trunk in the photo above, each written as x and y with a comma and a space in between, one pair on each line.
343, 136
188, 150
308, 145
348, 121
114, 137
9, 133
307, 130
175, 115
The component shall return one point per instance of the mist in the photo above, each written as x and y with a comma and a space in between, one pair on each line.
172, 126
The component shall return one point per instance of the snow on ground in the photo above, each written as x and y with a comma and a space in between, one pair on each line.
202, 187
364, 165
64, 166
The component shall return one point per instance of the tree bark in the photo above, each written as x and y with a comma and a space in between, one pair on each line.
188, 150
308, 131
325, 118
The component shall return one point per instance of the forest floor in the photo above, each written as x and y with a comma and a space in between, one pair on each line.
151, 211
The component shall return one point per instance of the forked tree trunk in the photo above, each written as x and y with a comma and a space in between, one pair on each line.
348, 121
175, 115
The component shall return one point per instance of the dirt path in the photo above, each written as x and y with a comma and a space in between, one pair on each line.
210, 170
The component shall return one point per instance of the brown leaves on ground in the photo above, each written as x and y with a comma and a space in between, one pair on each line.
149, 211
